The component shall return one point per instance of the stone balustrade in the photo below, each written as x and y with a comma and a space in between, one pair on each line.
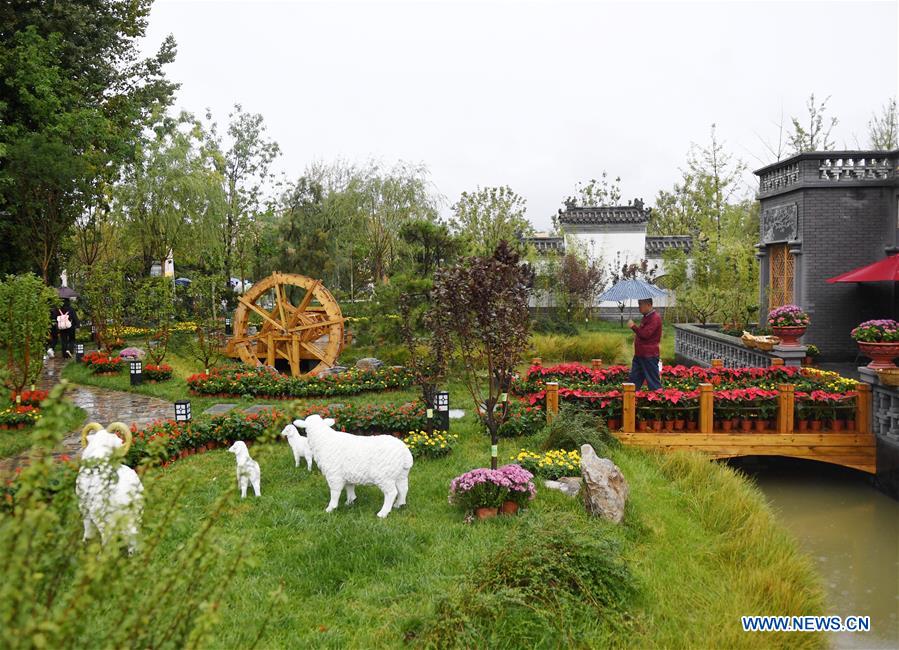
697, 345
855, 168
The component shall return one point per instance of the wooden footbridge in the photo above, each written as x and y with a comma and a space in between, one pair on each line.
855, 448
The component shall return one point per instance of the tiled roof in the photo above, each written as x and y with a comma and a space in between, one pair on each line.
547, 244
605, 214
655, 246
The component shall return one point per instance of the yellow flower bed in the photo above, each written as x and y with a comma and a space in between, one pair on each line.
129, 331
430, 445
551, 464
835, 382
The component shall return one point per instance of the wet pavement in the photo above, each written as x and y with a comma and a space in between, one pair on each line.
100, 405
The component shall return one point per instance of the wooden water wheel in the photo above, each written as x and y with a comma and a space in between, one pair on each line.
298, 325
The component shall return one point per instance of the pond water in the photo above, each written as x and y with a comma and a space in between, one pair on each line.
850, 530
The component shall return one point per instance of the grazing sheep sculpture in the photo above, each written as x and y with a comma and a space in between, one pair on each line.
110, 494
346, 460
299, 445
247, 469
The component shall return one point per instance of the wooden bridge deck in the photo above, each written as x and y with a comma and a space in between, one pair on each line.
849, 449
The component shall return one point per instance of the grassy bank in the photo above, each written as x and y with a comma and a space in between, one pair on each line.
607, 341
698, 548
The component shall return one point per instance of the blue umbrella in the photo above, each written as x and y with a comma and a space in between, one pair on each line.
631, 290
182, 282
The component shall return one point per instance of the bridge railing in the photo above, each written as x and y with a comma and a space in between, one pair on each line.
785, 422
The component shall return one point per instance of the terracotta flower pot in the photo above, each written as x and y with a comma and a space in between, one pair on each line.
509, 508
486, 513
837, 425
20, 425
726, 425
802, 425
656, 425
789, 336
643, 425
761, 425
816, 425
668, 426
745, 425
850, 424
881, 354
692, 425
679, 425
613, 423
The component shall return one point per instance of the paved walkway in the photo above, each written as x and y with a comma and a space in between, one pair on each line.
100, 405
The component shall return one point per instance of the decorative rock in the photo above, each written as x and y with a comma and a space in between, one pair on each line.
456, 414
333, 370
369, 363
257, 408
605, 489
569, 485
219, 409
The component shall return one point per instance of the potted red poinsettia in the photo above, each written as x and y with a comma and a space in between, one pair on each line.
788, 323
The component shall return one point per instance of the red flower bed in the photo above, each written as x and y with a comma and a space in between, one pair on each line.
162, 372
100, 362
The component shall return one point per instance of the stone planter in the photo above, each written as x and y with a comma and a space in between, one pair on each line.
789, 336
881, 354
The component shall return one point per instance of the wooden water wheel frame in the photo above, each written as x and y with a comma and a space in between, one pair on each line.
311, 331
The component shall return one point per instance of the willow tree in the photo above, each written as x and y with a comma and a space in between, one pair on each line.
481, 303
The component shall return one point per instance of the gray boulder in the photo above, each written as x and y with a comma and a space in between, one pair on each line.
369, 363
569, 485
605, 490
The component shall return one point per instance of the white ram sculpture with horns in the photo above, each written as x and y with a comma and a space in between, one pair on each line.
110, 494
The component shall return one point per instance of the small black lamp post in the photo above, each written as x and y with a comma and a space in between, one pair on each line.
79, 352
182, 411
137, 372
442, 404
228, 330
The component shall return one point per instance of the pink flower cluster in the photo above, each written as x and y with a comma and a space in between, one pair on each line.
877, 331
788, 316
511, 477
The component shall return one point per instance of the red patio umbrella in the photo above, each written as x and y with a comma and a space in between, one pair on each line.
886, 270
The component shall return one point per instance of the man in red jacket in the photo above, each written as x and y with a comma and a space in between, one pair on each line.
647, 336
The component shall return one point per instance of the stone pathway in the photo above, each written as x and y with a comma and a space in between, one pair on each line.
101, 405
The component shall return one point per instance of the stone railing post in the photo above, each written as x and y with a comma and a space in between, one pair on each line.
777, 361
706, 408
596, 364
536, 361
628, 407
717, 363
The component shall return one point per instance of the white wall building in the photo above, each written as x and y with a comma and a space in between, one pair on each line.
611, 236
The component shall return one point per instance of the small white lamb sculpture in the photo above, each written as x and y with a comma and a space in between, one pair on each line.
348, 460
110, 494
299, 445
247, 469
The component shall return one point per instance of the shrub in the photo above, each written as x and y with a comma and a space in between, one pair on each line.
25, 304
549, 577
523, 421
549, 325
573, 427
162, 372
101, 362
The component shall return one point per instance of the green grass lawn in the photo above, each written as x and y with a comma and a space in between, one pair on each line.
699, 540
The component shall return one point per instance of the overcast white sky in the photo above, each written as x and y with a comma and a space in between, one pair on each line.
536, 95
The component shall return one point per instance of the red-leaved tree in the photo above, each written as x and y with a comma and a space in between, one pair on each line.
482, 302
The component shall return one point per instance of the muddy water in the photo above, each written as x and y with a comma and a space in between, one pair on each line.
851, 531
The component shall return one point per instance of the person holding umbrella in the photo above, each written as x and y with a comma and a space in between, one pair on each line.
647, 336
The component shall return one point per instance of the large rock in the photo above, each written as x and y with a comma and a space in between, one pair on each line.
369, 363
569, 485
333, 370
605, 490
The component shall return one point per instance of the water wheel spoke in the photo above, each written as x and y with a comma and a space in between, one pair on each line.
265, 315
314, 349
279, 300
310, 294
310, 326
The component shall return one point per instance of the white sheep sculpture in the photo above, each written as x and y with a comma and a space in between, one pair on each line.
247, 469
299, 445
110, 494
346, 460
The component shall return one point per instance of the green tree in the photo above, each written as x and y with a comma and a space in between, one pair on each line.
104, 295
596, 193
883, 129
154, 309
244, 167
485, 217
814, 133
74, 98
25, 304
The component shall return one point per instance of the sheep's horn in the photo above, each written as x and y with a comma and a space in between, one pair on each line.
121, 427
89, 428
